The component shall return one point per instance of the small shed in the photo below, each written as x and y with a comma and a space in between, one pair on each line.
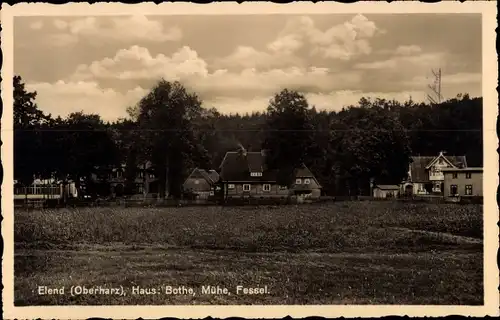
386, 191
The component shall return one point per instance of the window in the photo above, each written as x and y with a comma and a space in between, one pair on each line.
266, 187
230, 186
283, 187
141, 174
256, 174
307, 181
151, 176
212, 193
454, 175
453, 189
140, 188
468, 190
246, 187
196, 181
468, 175
298, 181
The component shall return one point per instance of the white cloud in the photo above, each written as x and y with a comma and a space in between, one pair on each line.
286, 44
404, 63
448, 79
122, 29
130, 28
248, 57
60, 24
408, 50
136, 63
63, 98
342, 41
37, 25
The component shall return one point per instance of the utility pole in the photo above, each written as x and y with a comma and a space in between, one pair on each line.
435, 97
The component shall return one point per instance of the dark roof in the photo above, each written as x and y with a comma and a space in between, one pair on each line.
419, 164
387, 187
303, 172
213, 175
236, 166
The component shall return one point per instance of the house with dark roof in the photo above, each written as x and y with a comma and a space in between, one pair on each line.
245, 174
201, 183
425, 174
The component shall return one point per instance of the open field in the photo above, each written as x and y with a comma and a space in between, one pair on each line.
342, 253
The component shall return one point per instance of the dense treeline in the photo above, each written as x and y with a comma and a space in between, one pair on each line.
372, 141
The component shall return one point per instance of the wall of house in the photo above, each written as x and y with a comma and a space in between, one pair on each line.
379, 193
476, 181
419, 189
197, 185
435, 172
312, 183
256, 189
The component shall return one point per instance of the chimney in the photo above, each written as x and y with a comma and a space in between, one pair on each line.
242, 151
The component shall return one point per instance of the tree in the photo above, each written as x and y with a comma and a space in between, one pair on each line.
289, 138
166, 118
88, 145
371, 143
28, 122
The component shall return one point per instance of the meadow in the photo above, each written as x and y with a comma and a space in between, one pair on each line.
360, 252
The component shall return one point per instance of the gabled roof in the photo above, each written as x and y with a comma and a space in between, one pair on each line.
201, 174
237, 166
419, 165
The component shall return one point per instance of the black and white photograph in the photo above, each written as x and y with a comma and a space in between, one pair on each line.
324, 156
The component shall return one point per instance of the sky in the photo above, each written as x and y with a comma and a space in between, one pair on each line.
235, 63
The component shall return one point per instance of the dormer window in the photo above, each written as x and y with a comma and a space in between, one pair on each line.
298, 181
307, 181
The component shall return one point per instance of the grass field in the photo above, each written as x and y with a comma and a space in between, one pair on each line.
341, 253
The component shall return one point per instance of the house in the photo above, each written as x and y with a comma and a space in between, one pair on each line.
145, 181
425, 174
201, 183
245, 174
386, 191
463, 182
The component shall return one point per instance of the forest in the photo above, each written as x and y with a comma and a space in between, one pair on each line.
172, 129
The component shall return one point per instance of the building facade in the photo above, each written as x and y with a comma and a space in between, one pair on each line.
464, 182
386, 191
245, 174
425, 174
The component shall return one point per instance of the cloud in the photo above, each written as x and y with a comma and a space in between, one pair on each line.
403, 63
136, 63
37, 25
340, 42
60, 24
63, 98
248, 57
286, 44
408, 50
449, 79
343, 41
122, 29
